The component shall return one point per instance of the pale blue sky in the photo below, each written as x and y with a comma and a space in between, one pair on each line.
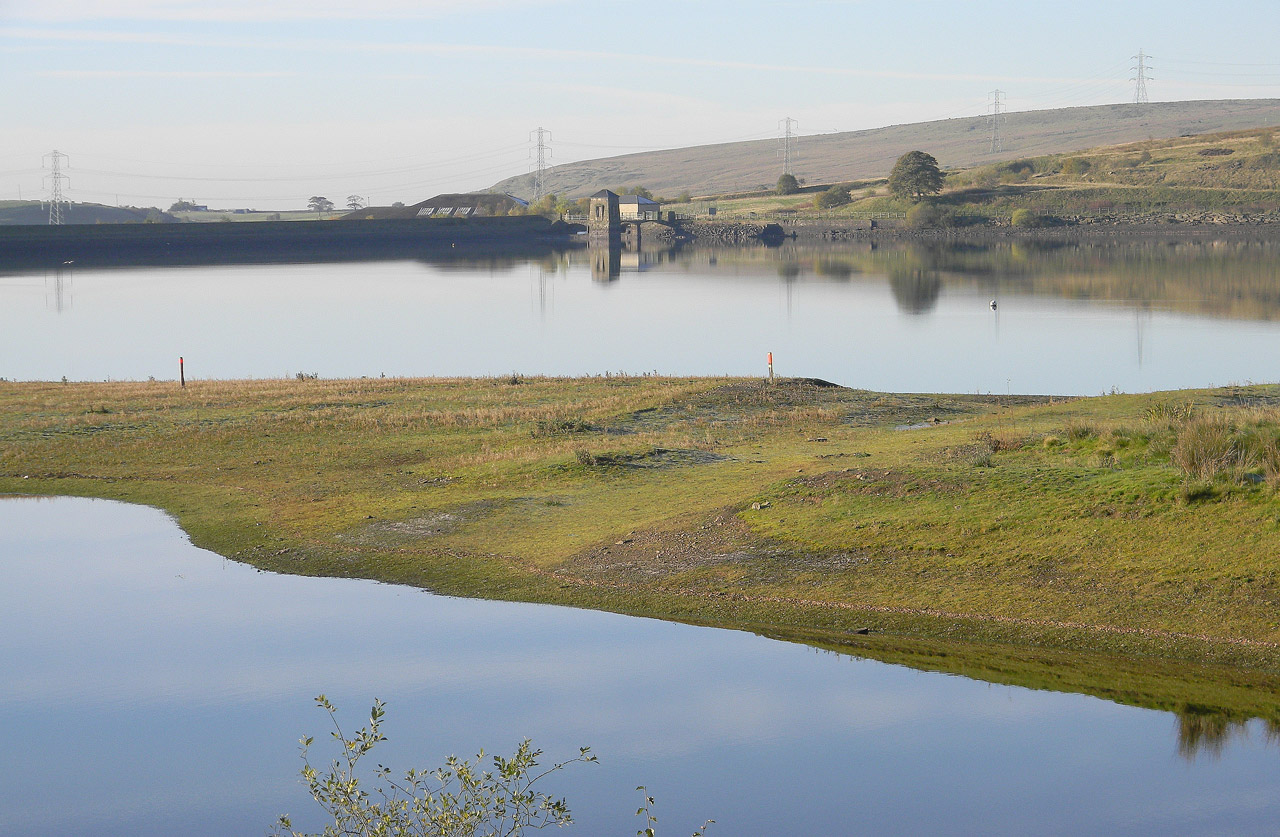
263, 103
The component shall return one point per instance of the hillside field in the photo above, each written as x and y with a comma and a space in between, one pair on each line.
859, 155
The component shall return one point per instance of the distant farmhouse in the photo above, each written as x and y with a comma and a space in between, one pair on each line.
475, 205
636, 208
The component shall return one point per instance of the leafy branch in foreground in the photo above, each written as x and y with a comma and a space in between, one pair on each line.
459, 799
645, 812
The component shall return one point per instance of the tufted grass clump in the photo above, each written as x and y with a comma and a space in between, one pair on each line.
1242, 449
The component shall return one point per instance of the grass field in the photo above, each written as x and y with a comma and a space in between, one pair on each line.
1074, 544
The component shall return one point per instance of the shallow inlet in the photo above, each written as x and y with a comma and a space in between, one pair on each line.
155, 688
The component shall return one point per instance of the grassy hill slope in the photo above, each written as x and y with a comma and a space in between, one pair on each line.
1225, 176
740, 166
35, 212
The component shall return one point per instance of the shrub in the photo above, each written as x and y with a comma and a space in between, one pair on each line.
1024, 218
929, 215
462, 797
1075, 166
835, 196
787, 185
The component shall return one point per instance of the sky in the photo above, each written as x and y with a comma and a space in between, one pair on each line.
264, 103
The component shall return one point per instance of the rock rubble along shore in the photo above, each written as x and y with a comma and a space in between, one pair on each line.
722, 232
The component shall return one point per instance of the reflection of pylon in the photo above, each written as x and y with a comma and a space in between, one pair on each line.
56, 178
60, 290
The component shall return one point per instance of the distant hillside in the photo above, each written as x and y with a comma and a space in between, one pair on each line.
1226, 177
34, 212
855, 155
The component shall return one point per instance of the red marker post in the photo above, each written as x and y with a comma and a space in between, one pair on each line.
770, 367
182, 375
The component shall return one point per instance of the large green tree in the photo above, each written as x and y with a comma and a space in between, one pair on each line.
835, 196
787, 185
915, 176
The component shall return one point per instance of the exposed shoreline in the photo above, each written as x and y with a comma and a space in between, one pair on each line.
723, 502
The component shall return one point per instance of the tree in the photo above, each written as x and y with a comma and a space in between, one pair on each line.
355, 202
460, 798
638, 191
319, 203
546, 205
835, 196
787, 185
915, 175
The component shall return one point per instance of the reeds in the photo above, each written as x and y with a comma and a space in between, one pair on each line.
1242, 446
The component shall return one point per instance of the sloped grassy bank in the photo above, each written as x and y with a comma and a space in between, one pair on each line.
1125, 546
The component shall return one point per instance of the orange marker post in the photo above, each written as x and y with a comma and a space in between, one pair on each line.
770, 367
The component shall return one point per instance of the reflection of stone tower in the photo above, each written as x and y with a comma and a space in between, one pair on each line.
606, 263
604, 221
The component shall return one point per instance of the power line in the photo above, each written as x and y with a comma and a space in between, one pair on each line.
1140, 78
56, 178
787, 136
996, 116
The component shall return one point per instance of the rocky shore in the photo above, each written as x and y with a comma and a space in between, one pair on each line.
712, 232
1181, 224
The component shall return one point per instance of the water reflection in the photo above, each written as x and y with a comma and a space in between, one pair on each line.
1205, 733
1074, 318
58, 289
915, 290
180, 682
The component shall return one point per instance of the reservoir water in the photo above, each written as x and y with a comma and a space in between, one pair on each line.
154, 688
1081, 318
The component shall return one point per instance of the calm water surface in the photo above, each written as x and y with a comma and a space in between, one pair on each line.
1077, 319
154, 688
